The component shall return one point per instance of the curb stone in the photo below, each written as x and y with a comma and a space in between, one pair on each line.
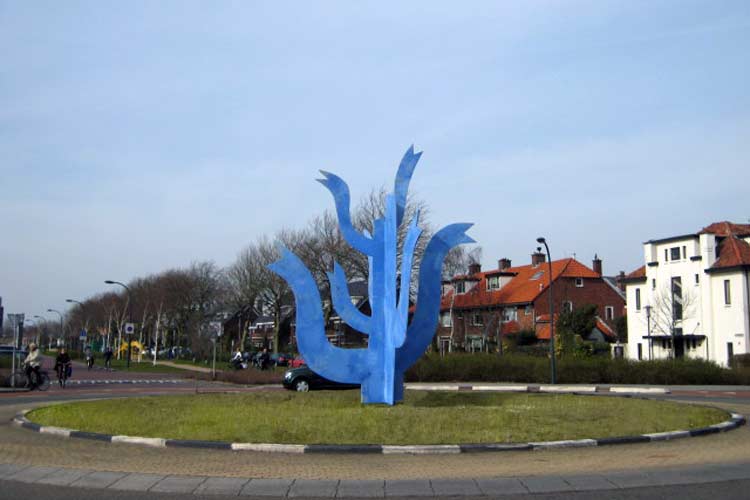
736, 420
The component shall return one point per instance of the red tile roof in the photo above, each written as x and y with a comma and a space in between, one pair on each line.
638, 273
528, 283
542, 327
726, 228
732, 252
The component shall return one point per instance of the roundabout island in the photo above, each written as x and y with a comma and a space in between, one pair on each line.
426, 422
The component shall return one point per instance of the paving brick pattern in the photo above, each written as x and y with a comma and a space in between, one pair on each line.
41, 458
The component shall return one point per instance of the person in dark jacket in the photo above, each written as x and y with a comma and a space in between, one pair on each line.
62, 366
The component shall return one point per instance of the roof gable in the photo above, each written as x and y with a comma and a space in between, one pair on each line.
733, 252
527, 284
726, 228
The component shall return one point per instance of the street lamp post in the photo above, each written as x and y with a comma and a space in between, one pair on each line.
85, 319
41, 333
648, 328
130, 313
62, 333
553, 368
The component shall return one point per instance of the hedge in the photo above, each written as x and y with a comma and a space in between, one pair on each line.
519, 368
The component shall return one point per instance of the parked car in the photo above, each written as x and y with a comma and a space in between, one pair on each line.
297, 362
280, 359
303, 379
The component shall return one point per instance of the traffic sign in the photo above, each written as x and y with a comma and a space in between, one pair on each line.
83, 335
129, 328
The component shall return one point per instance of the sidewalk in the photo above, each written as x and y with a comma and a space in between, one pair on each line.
47, 459
376, 488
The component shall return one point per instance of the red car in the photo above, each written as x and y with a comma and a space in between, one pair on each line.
296, 362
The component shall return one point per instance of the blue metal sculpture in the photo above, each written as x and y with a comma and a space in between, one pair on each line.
393, 346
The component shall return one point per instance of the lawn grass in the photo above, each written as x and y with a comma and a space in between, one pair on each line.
338, 417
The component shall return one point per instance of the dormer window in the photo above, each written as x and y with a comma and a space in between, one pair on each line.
493, 282
460, 287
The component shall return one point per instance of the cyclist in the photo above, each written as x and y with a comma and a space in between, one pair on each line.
62, 366
32, 363
108, 358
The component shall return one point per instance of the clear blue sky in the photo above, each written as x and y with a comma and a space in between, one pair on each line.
137, 136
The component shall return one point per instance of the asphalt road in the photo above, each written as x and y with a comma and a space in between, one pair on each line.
632, 456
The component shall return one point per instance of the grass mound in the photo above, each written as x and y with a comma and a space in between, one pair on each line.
338, 417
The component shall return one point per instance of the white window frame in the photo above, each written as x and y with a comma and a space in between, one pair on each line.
579, 282
567, 306
609, 312
474, 318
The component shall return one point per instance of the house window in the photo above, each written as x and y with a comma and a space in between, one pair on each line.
477, 319
609, 312
493, 283
537, 275
528, 310
653, 284
445, 319
697, 279
640, 352
666, 255
460, 287
579, 282
637, 299
510, 314
727, 293
674, 253
567, 306
684, 252
676, 298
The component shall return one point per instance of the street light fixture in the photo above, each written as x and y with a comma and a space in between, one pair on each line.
40, 332
648, 327
85, 319
62, 332
553, 368
130, 310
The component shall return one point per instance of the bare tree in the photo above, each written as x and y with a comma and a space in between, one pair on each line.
672, 304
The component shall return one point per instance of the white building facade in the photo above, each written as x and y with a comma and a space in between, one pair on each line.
692, 296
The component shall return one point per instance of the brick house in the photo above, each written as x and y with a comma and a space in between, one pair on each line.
479, 308
337, 331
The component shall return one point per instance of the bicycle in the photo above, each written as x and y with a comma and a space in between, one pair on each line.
63, 372
41, 379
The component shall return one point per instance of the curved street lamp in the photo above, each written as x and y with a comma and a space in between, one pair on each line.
43, 319
85, 319
62, 332
130, 316
553, 374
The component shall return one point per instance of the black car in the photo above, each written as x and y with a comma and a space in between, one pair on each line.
303, 379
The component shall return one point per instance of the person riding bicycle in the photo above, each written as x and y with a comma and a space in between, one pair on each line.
108, 358
32, 363
237, 360
62, 366
89, 357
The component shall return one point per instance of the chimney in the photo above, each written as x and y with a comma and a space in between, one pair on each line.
503, 264
475, 268
537, 258
621, 280
597, 265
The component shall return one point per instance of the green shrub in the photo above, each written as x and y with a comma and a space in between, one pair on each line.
518, 367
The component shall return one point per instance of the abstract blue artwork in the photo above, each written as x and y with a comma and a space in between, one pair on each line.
393, 343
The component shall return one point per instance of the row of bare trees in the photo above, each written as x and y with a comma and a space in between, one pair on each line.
173, 307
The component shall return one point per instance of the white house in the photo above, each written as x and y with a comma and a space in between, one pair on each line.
692, 296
